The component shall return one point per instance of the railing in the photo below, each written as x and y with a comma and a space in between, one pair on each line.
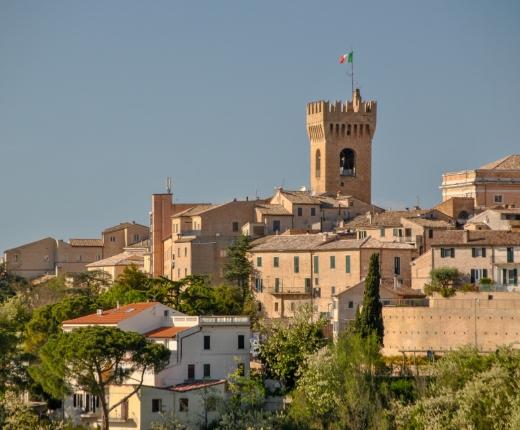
405, 302
489, 288
224, 320
347, 172
289, 290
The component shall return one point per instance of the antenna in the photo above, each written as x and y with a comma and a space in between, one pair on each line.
169, 185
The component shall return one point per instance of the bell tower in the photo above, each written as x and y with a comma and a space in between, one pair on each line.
340, 137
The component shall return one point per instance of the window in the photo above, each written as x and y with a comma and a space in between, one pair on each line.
276, 306
408, 232
293, 307
382, 232
477, 274
447, 252
332, 291
74, 400
112, 238
316, 262
347, 264
276, 285
241, 341
398, 232
478, 252
156, 405
313, 211
185, 251
300, 211
207, 370
307, 284
317, 161
235, 226
276, 261
183, 404
510, 255
430, 233
397, 265
207, 342
332, 262
241, 369
347, 162
317, 292
350, 304
258, 261
166, 313
276, 225
259, 285
362, 234
498, 198
223, 253
185, 271
191, 371
136, 238
296, 264
178, 252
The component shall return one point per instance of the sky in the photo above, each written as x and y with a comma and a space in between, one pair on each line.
100, 101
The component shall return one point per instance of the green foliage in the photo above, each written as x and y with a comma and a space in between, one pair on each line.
370, 319
46, 320
239, 269
168, 421
469, 391
96, 357
287, 345
443, 281
9, 283
131, 286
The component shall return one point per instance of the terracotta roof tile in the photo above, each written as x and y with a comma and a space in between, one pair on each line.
112, 316
510, 162
121, 226
165, 332
272, 209
195, 385
86, 242
122, 259
476, 237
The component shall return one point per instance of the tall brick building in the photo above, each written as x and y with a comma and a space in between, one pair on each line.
340, 137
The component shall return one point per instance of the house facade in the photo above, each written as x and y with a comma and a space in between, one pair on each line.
291, 270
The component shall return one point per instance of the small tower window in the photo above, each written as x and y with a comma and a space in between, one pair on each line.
318, 163
347, 162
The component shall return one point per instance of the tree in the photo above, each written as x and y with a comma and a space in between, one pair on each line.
469, 390
239, 268
93, 358
46, 320
287, 344
443, 281
370, 319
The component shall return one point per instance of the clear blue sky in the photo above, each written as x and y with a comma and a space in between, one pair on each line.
101, 100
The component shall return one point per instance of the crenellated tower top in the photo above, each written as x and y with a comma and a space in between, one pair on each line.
341, 135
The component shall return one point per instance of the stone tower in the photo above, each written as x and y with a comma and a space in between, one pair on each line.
341, 146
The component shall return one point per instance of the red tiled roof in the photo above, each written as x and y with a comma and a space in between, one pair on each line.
477, 237
195, 385
165, 332
113, 316
86, 242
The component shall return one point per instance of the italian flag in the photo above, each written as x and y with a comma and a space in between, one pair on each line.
346, 57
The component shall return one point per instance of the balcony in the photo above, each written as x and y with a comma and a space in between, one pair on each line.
224, 320
406, 302
289, 290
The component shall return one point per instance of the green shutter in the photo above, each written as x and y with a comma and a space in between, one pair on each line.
332, 262
296, 264
347, 264
316, 264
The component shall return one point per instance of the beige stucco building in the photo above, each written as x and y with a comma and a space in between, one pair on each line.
290, 270
494, 183
476, 255
49, 256
507, 219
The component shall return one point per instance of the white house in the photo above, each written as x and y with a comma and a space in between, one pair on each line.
204, 350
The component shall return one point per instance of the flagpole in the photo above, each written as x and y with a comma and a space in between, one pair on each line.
352, 71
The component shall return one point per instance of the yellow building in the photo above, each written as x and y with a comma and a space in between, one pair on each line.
290, 270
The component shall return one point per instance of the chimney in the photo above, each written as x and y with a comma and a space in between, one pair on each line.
465, 236
99, 312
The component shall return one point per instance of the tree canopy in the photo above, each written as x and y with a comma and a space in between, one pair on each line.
95, 357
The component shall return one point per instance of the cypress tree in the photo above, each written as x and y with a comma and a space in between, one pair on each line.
370, 319
238, 268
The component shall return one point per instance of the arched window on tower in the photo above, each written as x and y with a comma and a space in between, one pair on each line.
317, 169
347, 162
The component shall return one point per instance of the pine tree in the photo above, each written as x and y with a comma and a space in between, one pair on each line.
370, 319
238, 268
